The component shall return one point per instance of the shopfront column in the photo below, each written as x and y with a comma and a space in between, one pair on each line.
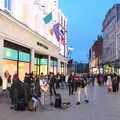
49, 61
65, 68
1, 56
59, 66
32, 60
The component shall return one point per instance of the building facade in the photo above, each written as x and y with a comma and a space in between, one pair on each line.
33, 37
111, 40
95, 56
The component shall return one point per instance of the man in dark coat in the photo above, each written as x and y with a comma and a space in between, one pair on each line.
71, 84
52, 86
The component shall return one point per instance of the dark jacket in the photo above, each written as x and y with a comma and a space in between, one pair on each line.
1, 81
37, 87
70, 79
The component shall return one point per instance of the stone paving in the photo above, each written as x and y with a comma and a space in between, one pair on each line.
102, 106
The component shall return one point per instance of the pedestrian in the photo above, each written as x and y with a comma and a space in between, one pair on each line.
62, 81
115, 83
37, 86
66, 80
109, 83
81, 90
52, 87
71, 83
58, 81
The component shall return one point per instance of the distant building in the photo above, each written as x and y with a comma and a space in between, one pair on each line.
95, 56
111, 40
77, 67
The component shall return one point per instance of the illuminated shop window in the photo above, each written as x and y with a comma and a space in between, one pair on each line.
10, 54
43, 61
23, 68
41, 66
24, 56
11, 67
43, 69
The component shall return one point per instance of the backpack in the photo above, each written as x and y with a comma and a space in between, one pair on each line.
58, 101
20, 105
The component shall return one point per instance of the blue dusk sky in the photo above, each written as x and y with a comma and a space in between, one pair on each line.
85, 19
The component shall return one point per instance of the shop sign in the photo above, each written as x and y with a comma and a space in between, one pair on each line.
41, 45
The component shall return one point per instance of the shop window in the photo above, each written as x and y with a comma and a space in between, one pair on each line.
11, 67
10, 54
52, 63
23, 68
43, 62
43, 69
35, 69
36, 66
35, 61
51, 69
55, 70
24, 56
62, 67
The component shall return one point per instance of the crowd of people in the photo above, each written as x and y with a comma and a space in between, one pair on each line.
34, 87
110, 81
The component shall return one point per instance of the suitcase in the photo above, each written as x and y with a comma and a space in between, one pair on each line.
58, 101
20, 105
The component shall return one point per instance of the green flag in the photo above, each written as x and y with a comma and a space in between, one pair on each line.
48, 18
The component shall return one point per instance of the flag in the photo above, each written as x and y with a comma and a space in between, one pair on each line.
48, 18
62, 39
56, 30
62, 36
62, 31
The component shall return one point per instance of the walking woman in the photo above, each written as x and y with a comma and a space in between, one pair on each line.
109, 83
115, 83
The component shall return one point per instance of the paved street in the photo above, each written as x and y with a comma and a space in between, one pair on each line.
102, 106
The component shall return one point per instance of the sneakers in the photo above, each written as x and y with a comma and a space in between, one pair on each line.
78, 103
86, 101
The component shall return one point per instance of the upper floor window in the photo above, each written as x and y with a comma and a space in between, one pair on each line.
7, 5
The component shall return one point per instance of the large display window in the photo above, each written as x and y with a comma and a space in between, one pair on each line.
10, 66
62, 68
10, 60
44, 66
41, 65
24, 56
16, 61
23, 68
10, 54
24, 64
54, 66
